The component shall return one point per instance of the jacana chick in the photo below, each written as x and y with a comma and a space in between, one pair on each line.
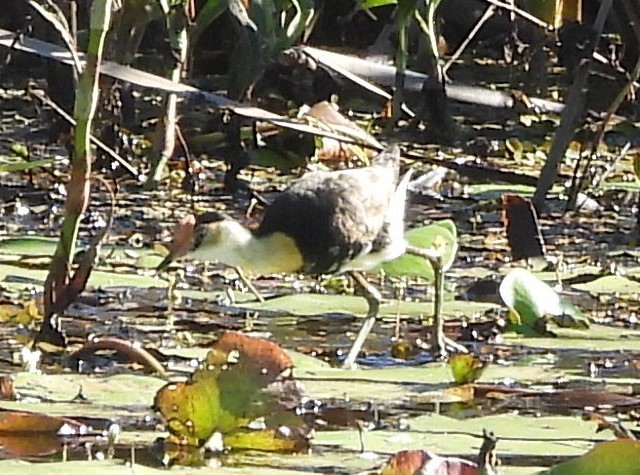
326, 222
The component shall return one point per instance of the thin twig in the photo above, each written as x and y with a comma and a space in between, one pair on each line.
97, 142
521, 13
58, 20
246, 281
615, 104
488, 13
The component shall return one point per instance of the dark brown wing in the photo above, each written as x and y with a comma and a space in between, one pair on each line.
333, 216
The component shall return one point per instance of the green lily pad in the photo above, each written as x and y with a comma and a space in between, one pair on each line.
242, 379
610, 284
425, 237
529, 297
23, 165
466, 368
531, 300
621, 457
315, 304
28, 246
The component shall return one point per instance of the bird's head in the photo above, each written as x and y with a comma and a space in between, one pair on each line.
197, 236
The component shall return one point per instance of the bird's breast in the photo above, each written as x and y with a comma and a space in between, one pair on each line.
272, 254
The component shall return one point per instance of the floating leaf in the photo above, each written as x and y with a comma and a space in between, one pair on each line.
619, 457
25, 422
577, 399
23, 314
443, 232
20, 150
514, 148
425, 462
24, 165
33, 434
530, 299
610, 284
28, 246
466, 368
241, 381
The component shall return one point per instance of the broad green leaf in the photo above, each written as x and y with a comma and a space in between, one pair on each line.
148, 261
366, 4
265, 440
425, 237
600, 338
619, 457
105, 392
529, 297
211, 10
447, 224
241, 380
531, 300
264, 465
466, 368
450, 435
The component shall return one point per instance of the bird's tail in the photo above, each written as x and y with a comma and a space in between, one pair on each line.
390, 156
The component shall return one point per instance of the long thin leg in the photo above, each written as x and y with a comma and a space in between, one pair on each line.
243, 278
373, 297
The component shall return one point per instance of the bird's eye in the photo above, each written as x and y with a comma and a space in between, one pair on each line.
199, 237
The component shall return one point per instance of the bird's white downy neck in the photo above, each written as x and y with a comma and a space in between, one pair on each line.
230, 243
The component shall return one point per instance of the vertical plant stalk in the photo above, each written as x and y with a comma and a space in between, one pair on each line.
434, 107
571, 113
402, 52
404, 11
179, 40
79, 182
432, 6
438, 345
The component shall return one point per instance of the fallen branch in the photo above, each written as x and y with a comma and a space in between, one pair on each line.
133, 351
148, 80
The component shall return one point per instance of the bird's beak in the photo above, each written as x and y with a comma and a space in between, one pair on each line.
181, 243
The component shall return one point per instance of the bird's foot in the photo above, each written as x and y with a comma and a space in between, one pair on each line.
453, 346
350, 365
